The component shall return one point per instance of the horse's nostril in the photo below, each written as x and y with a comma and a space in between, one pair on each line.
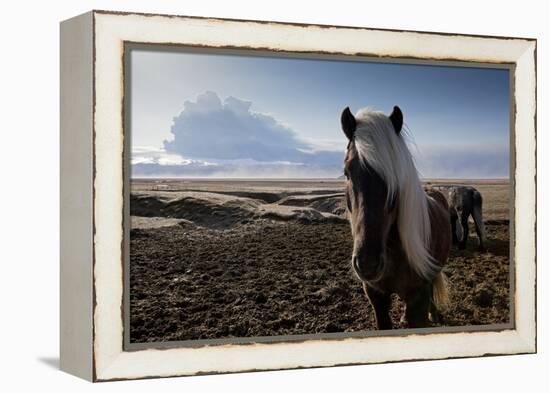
366, 268
355, 263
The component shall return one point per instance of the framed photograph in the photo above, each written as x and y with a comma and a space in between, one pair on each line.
244, 195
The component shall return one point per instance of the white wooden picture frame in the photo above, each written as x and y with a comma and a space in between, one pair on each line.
92, 194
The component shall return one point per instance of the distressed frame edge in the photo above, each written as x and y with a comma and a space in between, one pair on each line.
129, 46
527, 340
304, 24
76, 196
526, 126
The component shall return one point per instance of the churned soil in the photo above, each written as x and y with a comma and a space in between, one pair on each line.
268, 278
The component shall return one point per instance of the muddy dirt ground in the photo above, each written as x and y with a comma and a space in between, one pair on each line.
270, 277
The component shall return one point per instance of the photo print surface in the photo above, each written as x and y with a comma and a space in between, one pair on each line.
273, 196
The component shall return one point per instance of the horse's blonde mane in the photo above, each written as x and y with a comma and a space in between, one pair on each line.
379, 146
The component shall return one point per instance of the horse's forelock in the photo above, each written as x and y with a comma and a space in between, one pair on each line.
381, 148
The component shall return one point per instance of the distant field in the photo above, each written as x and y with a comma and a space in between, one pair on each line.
245, 258
496, 192
236, 185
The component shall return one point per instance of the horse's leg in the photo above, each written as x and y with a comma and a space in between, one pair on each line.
480, 228
434, 313
454, 220
418, 307
465, 230
381, 303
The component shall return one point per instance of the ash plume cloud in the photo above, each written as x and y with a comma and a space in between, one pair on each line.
212, 137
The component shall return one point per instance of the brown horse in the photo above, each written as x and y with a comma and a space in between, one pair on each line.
401, 234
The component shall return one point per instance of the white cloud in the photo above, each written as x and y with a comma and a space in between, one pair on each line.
211, 129
215, 138
159, 156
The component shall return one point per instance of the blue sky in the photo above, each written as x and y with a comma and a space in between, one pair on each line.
207, 115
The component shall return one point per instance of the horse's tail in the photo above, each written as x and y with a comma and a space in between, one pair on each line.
440, 291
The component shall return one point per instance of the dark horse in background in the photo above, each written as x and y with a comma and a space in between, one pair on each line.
466, 201
401, 234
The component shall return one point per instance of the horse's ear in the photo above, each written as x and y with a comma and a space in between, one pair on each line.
396, 118
348, 123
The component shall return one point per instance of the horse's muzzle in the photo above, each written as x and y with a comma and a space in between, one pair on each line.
367, 269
